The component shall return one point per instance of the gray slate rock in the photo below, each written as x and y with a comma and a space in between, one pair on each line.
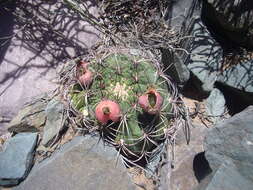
226, 177
206, 56
180, 15
55, 120
232, 141
175, 67
206, 61
31, 118
239, 76
83, 163
16, 158
215, 104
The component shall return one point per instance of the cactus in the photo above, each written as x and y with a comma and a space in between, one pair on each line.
128, 100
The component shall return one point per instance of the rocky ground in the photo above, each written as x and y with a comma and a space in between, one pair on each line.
218, 155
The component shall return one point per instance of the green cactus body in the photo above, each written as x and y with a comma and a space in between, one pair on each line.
122, 79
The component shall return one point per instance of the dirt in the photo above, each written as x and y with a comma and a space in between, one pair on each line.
197, 112
142, 181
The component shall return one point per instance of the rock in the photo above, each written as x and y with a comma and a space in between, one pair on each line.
217, 16
4, 138
215, 105
207, 62
226, 177
175, 67
55, 120
182, 12
17, 158
236, 100
29, 59
83, 163
186, 172
232, 141
206, 56
180, 15
183, 176
231, 20
239, 76
31, 118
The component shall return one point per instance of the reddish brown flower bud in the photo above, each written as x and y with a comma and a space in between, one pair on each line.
151, 102
107, 110
84, 75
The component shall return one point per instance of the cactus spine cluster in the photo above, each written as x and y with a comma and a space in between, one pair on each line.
126, 97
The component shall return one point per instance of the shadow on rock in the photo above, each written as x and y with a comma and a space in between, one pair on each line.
6, 23
200, 166
236, 100
43, 36
48, 31
230, 22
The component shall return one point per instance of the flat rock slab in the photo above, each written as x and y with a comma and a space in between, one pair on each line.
47, 36
16, 158
83, 163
